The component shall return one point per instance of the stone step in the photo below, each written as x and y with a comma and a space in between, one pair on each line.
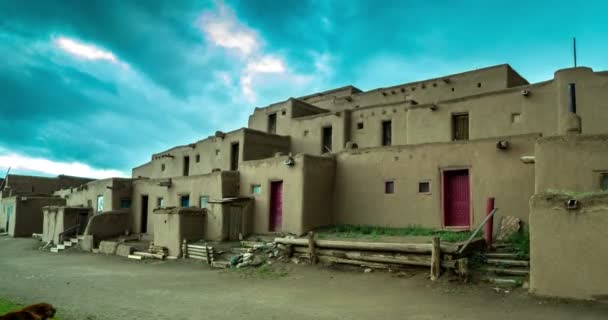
508, 262
67, 243
74, 240
509, 271
54, 250
505, 281
506, 255
60, 246
135, 257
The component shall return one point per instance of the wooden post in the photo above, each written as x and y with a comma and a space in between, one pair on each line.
463, 269
435, 259
289, 251
184, 249
311, 247
207, 252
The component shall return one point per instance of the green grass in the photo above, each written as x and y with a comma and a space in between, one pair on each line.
7, 306
521, 241
373, 232
264, 272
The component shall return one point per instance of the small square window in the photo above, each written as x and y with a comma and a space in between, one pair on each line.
184, 201
160, 202
256, 189
198, 158
515, 117
283, 112
389, 187
162, 167
204, 201
424, 187
360, 125
217, 152
604, 181
125, 203
305, 133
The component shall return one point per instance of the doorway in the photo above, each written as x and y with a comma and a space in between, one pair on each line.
234, 157
186, 166
143, 227
456, 198
326, 140
276, 206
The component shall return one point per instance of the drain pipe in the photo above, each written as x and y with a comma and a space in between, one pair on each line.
572, 94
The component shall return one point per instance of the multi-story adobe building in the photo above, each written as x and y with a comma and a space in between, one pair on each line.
426, 153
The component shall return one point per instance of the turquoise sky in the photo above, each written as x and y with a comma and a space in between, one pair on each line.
95, 87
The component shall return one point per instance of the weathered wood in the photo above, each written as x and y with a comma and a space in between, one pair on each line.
184, 248
193, 246
436, 259
463, 269
508, 262
149, 255
199, 250
135, 257
371, 246
384, 257
311, 248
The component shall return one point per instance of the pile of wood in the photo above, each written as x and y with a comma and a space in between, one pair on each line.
379, 255
154, 252
198, 251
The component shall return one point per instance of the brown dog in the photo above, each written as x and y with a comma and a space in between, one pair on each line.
39, 311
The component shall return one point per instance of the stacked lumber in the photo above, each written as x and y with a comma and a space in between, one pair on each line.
154, 252
199, 252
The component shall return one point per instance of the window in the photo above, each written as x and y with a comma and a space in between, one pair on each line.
162, 167
272, 123
90, 203
160, 202
198, 158
204, 201
326, 147
387, 132
99, 204
184, 201
186, 165
479, 85
389, 187
360, 125
256, 189
424, 187
283, 112
460, 126
217, 152
604, 181
234, 157
515, 117
125, 203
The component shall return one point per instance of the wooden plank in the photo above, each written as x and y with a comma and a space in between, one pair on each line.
149, 255
436, 259
372, 246
383, 257
507, 262
135, 257
311, 248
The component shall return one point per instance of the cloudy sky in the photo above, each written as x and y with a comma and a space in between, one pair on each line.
93, 88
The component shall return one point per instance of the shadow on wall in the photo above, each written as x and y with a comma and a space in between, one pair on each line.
108, 225
568, 248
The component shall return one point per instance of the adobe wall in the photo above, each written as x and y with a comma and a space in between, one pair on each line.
307, 191
112, 190
260, 145
568, 248
109, 224
306, 133
571, 162
28, 216
216, 185
8, 207
58, 218
226, 219
24, 185
172, 225
360, 197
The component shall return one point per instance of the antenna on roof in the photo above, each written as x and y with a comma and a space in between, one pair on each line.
574, 49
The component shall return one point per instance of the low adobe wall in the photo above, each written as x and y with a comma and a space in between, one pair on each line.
568, 248
108, 225
27, 216
59, 218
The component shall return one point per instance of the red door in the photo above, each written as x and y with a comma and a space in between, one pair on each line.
456, 198
276, 205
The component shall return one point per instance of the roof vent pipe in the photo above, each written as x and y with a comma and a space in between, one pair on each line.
572, 93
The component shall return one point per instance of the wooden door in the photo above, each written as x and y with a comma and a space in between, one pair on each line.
276, 206
143, 227
456, 198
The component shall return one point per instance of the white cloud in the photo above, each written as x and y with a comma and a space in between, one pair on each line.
266, 64
45, 166
224, 30
84, 50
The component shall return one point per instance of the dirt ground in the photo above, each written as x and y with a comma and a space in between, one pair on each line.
92, 286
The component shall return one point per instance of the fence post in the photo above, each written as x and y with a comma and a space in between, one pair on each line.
435, 259
490, 225
311, 247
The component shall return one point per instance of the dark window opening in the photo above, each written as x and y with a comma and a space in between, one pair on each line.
604, 181
360, 125
272, 123
326, 147
143, 224
434, 84
198, 158
452, 89
186, 165
460, 126
389, 187
424, 187
184, 201
125, 203
283, 112
479, 85
387, 133
162, 167
234, 157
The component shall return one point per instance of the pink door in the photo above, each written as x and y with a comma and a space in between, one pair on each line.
276, 205
456, 198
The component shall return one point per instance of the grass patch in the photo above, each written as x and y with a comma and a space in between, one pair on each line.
7, 306
373, 233
265, 271
520, 241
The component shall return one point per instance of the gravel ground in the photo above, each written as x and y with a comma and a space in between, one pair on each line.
92, 286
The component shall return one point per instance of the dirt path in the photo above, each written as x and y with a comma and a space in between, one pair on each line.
89, 286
